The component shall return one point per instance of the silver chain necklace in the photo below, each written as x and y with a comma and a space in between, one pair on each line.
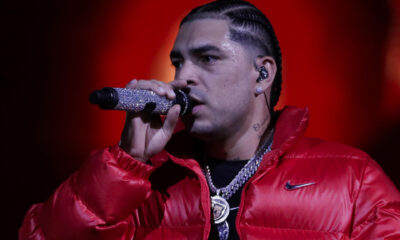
219, 204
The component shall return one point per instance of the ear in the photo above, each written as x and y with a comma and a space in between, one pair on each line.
269, 64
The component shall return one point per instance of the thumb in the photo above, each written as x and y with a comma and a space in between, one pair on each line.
171, 120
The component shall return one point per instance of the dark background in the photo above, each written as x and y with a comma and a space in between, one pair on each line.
341, 58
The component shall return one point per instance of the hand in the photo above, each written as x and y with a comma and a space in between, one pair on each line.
144, 135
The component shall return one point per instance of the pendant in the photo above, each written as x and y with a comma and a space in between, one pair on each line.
223, 230
220, 209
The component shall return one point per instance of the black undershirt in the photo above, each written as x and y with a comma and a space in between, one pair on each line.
222, 173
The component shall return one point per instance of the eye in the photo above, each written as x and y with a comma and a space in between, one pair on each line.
208, 59
177, 63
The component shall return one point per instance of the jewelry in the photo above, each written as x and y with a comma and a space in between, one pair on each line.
263, 74
259, 90
219, 204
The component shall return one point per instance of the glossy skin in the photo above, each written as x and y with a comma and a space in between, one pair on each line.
221, 75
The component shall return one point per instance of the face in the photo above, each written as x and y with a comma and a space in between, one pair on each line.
221, 77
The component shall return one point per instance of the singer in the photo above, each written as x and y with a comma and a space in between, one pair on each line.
239, 169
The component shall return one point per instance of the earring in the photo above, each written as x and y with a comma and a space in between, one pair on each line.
263, 74
259, 90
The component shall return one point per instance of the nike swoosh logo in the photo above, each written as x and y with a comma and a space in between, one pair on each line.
290, 187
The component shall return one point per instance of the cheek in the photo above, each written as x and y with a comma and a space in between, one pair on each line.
232, 82
233, 99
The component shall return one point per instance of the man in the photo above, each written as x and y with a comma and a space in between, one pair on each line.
238, 170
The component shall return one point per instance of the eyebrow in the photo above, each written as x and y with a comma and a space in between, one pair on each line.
195, 51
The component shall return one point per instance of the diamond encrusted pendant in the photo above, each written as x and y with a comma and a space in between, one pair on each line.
223, 230
219, 204
220, 209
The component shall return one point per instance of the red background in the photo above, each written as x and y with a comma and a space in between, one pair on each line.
341, 58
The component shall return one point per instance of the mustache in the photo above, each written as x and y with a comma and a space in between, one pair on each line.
197, 95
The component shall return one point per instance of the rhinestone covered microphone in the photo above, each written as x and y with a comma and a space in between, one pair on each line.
137, 100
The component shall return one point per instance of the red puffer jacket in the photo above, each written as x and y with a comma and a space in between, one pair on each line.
116, 197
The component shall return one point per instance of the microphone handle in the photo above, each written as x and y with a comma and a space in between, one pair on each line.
138, 100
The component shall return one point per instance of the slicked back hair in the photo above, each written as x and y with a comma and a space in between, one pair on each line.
248, 26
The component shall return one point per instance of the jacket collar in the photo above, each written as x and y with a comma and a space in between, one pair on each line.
289, 128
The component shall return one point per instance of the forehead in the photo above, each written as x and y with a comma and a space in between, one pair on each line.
204, 32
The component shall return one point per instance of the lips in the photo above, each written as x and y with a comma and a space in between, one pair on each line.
198, 98
196, 103
195, 100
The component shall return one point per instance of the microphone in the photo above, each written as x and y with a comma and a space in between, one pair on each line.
138, 100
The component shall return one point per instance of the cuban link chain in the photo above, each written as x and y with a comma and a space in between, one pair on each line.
219, 203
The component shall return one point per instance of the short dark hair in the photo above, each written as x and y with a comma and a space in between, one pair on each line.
248, 25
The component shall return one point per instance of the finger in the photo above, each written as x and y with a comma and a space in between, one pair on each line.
131, 84
156, 86
177, 84
160, 88
171, 120
169, 90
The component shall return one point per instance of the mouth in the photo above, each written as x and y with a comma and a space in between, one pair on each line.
196, 100
196, 103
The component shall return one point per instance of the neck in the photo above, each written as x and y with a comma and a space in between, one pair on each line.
240, 146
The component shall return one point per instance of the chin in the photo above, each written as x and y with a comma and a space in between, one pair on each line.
199, 129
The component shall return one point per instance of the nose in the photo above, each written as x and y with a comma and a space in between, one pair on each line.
187, 72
